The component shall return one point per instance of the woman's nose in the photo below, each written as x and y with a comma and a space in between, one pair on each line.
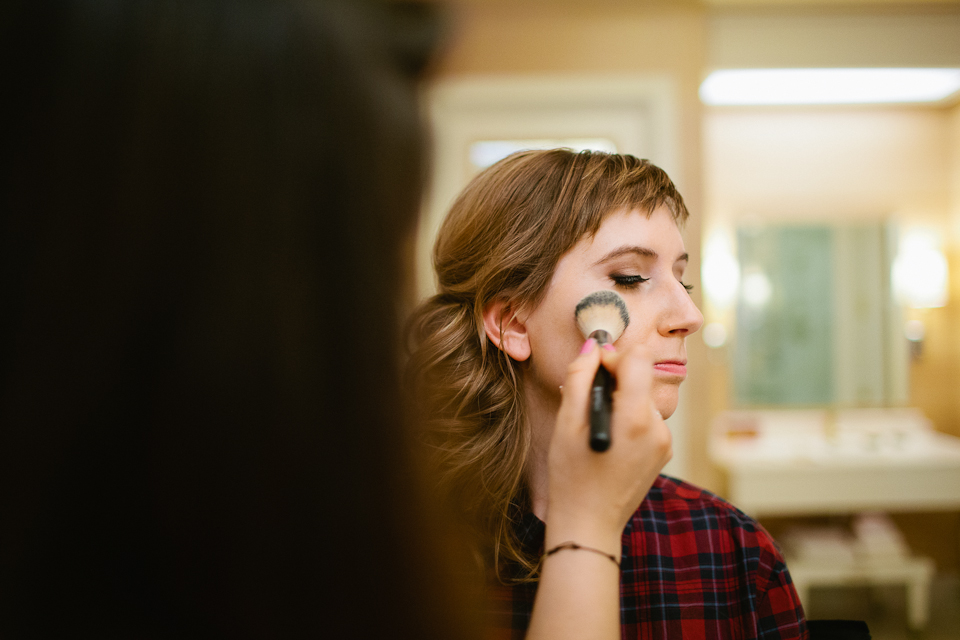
681, 316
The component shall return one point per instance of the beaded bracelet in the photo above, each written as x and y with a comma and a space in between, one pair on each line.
576, 547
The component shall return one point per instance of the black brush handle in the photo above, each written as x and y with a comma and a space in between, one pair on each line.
601, 401
601, 405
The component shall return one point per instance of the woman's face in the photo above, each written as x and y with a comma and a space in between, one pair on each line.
641, 258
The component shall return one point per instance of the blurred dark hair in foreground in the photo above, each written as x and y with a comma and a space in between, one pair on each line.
202, 238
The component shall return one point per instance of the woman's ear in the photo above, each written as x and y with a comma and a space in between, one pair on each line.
506, 330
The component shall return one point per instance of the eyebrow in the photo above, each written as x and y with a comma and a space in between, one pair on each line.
643, 252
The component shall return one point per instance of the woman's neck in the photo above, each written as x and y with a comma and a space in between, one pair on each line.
541, 417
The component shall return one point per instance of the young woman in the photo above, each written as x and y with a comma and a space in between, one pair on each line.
581, 544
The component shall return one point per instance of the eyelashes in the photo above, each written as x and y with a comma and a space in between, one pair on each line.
632, 282
628, 282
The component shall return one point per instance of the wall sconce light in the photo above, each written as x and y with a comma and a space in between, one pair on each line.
720, 271
919, 273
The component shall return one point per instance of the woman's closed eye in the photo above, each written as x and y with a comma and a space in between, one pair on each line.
627, 281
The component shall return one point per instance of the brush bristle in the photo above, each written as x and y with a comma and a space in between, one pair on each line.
604, 310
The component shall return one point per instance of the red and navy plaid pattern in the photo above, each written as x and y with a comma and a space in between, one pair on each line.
693, 566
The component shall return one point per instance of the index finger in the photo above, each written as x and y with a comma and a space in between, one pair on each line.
576, 389
633, 371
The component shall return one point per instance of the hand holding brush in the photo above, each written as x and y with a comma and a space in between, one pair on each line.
601, 315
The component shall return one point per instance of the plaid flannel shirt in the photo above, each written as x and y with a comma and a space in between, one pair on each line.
693, 566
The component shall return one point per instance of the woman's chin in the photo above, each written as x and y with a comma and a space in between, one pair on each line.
665, 400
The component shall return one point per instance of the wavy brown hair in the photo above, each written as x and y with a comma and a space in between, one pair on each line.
502, 240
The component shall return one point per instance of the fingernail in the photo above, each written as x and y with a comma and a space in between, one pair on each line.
608, 346
588, 346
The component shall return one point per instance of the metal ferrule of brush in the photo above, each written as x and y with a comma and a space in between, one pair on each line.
601, 401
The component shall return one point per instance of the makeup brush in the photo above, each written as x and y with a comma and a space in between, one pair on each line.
601, 315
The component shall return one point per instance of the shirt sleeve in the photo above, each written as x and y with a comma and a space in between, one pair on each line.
779, 611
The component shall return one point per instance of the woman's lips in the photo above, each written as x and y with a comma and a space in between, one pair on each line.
672, 368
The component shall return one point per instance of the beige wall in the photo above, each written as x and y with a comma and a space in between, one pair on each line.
954, 174
836, 34
535, 38
827, 164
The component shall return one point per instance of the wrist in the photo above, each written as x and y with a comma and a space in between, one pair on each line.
604, 539
573, 546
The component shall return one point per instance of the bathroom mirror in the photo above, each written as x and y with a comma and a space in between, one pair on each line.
816, 323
